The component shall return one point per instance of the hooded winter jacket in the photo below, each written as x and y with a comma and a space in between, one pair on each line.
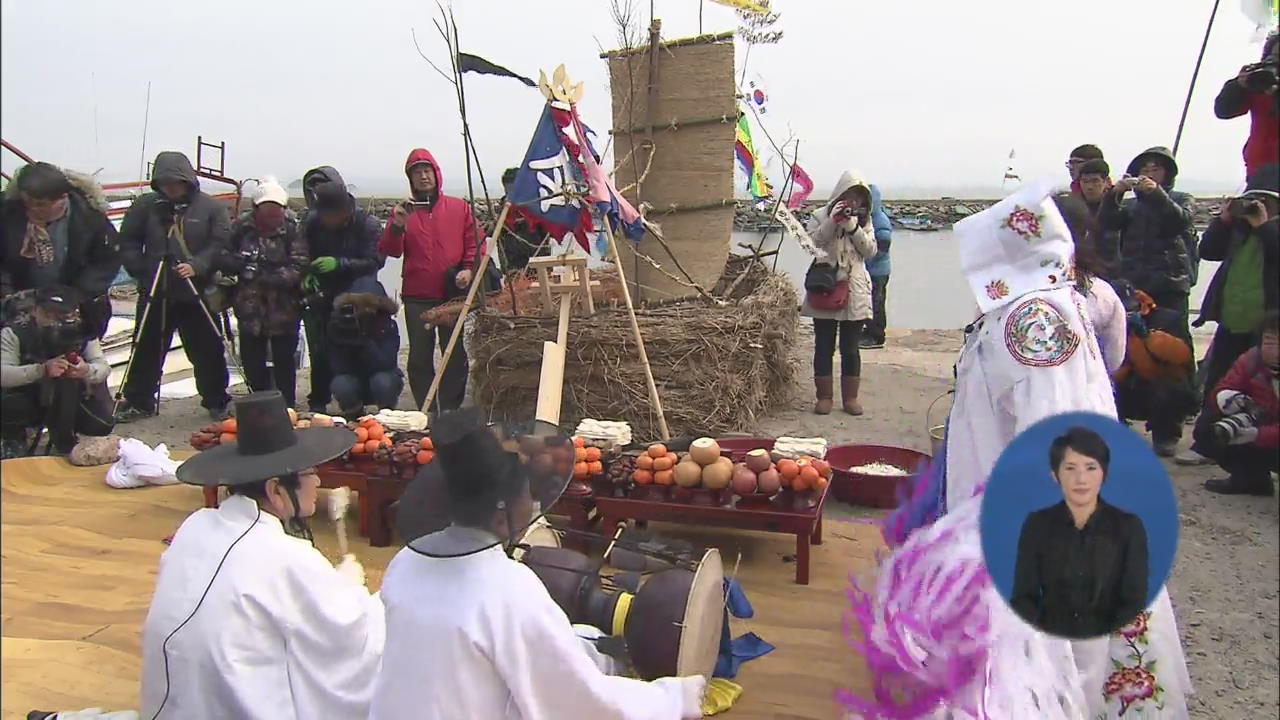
878, 265
848, 245
148, 233
381, 353
1157, 240
354, 245
93, 247
436, 237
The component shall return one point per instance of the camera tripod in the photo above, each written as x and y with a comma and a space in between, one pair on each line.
140, 327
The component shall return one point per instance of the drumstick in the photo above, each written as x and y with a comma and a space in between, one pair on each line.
339, 501
618, 534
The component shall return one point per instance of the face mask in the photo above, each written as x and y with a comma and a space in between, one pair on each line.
268, 218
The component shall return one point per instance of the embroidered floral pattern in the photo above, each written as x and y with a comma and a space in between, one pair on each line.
1036, 334
1133, 682
1024, 222
1091, 334
997, 289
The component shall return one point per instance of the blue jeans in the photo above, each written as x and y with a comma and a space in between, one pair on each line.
381, 389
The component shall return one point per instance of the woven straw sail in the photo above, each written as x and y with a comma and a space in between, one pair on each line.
690, 181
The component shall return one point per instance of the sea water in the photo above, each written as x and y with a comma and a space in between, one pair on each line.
926, 288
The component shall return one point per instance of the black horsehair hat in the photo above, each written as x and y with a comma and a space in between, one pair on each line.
266, 446
480, 469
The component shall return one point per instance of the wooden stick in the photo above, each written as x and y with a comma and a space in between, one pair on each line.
635, 328
551, 377
476, 280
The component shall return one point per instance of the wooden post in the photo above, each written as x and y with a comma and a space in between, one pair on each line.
551, 377
477, 278
635, 329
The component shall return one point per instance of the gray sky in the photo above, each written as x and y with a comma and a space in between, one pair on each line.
920, 95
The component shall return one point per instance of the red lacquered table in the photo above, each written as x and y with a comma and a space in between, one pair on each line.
805, 524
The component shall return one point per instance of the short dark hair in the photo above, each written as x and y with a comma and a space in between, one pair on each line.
1080, 222
42, 181
1087, 152
1270, 324
257, 490
509, 176
1096, 166
1084, 441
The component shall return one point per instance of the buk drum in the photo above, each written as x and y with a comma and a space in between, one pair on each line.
671, 625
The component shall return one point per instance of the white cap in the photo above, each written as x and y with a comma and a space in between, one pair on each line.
1017, 246
270, 191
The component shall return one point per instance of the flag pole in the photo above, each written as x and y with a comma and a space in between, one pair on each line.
476, 281
635, 329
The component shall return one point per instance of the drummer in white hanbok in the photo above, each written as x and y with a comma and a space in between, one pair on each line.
249, 620
472, 633
937, 631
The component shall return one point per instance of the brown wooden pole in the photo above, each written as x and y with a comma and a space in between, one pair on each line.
635, 329
477, 277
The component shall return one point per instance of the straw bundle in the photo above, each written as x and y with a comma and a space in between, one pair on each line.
717, 367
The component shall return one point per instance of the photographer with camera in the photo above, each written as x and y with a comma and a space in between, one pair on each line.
1158, 256
52, 371
364, 348
342, 240
1245, 237
1241, 427
172, 239
268, 259
436, 235
1254, 91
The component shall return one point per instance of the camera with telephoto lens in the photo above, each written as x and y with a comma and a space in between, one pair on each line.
1229, 428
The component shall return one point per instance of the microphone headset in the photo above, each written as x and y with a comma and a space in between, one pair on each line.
164, 646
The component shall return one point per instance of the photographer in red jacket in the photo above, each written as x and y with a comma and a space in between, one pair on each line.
1244, 436
436, 235
1253, 92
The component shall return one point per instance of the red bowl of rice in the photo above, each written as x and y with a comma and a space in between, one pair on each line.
873, 475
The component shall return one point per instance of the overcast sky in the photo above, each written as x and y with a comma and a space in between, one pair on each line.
917, 94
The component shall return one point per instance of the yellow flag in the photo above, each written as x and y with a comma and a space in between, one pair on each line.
746, 5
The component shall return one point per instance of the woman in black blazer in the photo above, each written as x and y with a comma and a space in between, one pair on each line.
1081, 567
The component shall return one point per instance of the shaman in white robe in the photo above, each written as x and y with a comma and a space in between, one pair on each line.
281, 634
1028, 360
479, 636
1032, 353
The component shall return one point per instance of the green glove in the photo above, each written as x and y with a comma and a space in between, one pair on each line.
324, 265
311, 283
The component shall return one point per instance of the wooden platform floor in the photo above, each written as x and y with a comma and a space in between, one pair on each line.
79, 561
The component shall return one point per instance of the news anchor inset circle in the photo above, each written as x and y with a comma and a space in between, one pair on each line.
1079, 525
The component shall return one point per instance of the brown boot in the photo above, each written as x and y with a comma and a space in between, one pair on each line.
849, 394
826, 394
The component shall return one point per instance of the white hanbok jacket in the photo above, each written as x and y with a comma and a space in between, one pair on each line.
280, 635
479, 637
